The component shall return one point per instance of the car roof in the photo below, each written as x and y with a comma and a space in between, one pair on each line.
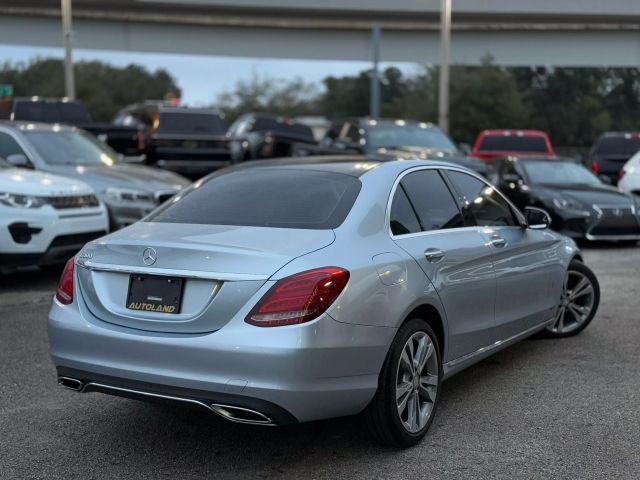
367, 121
179, 109
508, 132
620, 134
22, 125
534, 158
354, 165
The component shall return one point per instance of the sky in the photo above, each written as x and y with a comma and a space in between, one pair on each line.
202, 78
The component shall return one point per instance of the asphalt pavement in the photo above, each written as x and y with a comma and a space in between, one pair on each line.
540, 409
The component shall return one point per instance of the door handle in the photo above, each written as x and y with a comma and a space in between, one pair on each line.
433, 255
498, 241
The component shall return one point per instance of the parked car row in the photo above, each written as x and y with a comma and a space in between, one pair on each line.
195, 142
61, 187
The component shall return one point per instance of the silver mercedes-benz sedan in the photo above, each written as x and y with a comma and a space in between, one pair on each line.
295, 290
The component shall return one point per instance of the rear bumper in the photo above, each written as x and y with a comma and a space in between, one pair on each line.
318, 370
145, 391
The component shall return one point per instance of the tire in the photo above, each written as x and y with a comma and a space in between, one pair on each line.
382, 417
581, 291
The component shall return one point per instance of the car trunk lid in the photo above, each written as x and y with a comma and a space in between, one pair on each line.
221, 268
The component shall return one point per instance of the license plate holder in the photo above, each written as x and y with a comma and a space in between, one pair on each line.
157, 294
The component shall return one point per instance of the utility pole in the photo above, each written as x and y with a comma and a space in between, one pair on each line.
67, 34
374, 100
445, 43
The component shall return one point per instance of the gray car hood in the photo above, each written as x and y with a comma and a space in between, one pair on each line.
137, 177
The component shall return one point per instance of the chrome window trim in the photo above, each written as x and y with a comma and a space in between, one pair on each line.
408, 171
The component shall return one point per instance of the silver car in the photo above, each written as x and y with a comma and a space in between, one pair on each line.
288, 292
129, 191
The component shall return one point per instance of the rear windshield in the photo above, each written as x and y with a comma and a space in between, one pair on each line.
51, 112
194, 123
262, 197
513, 143
263, 124
618, 146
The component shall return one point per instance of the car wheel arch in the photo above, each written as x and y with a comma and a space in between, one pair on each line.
432, 316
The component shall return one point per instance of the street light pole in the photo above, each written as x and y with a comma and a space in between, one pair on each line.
374, 99
67, 33
445, 43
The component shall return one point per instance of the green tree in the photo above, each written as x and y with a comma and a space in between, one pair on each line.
269, 95
103, 88
569, 103
484, 97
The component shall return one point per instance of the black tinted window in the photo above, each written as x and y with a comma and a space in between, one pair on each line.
625, 146
38, 111
484, 205
513, 143
432, 200
262, 197
402, 216
8, 146
284, 127
194, 123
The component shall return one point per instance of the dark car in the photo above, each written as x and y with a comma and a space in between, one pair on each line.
257, 135
580, 204
126, 140
189, 141
394, 138
611, 152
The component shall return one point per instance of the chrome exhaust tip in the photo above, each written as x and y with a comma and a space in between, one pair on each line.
242, 415
71, 383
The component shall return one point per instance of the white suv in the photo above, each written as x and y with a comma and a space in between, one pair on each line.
44, 218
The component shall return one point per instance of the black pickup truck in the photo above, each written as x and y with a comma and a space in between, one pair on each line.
126, 140
256, 135
394, 138
186, 140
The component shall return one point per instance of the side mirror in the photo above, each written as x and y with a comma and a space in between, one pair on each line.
19, 160
537, 219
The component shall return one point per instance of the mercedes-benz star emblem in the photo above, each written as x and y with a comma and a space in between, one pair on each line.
149, 256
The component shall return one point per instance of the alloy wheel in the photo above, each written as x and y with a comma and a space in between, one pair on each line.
576, 303
417, 382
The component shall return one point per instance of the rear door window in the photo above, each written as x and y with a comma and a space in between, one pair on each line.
513, 143
191, 123
266, 197
402, 218
282, 126
432, 200
618, 146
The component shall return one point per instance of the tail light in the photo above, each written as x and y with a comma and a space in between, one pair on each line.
621, 174
299, 298
65, 286
594, 167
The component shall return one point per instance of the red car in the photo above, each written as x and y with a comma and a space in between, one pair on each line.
501, 143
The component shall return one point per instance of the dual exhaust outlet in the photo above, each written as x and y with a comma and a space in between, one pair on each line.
228, 412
